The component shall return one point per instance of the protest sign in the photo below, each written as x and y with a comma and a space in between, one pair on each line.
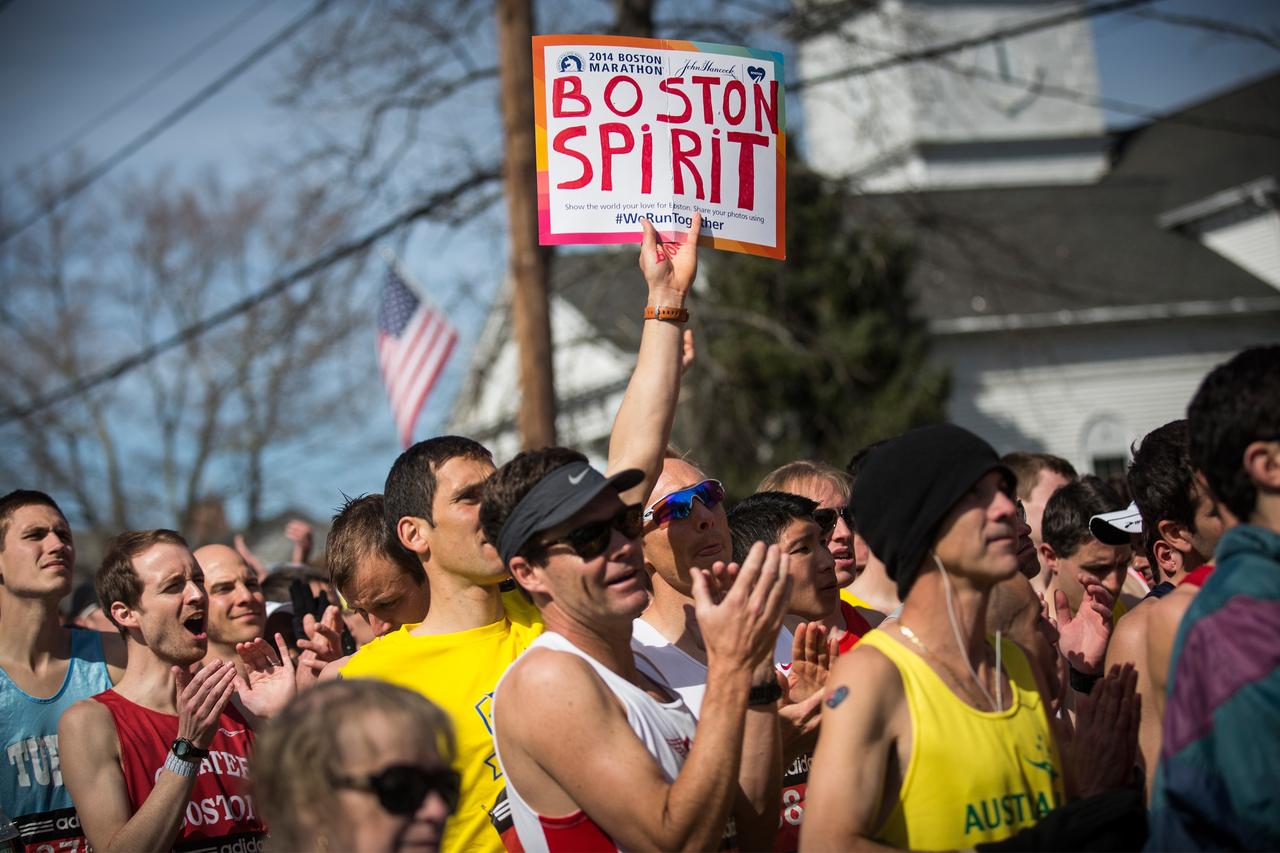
628, 128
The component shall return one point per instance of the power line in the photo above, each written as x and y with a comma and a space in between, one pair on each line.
938, 51
161, 76
1212, 25
82, 183
84, 384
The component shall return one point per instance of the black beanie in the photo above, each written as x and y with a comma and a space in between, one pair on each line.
906, 487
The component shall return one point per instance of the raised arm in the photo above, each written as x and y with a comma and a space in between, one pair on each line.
643, 424
91, 771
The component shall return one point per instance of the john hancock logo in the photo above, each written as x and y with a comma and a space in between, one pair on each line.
570, 63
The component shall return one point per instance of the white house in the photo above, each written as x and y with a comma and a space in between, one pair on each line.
1077, 284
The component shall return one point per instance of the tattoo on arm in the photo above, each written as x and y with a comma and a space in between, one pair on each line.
836, 696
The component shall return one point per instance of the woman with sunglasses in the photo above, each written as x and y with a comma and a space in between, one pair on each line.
356, 765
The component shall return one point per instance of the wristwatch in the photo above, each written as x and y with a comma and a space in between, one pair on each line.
187, 751
764, 694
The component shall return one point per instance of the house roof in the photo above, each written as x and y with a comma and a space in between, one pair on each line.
1039, 250
606, 286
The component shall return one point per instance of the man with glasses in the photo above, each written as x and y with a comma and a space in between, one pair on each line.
817, 628
599, 752
474, 629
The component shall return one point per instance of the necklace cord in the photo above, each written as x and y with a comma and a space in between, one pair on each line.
964, 654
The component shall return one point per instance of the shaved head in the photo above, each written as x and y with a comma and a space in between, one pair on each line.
218, 555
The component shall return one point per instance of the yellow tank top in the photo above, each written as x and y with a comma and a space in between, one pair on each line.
853, 600
973, 776
458, 672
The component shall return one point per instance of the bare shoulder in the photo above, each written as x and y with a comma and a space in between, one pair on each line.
88, 723
560, 683
1167, 613
865, 672
1129, 641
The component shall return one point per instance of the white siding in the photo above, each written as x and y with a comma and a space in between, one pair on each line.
1253, 244
1046, 390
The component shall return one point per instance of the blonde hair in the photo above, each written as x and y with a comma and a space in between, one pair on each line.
299, 752
786, 478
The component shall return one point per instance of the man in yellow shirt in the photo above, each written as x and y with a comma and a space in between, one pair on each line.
472, 631
933, 738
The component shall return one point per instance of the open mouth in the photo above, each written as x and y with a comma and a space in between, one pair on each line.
195, 625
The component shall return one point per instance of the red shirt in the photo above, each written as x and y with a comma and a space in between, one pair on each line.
219, 808
1198, 576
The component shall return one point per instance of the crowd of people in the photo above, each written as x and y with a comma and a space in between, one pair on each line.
932, 647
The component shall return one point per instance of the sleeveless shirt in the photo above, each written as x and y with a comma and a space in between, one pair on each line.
665, 728
973, 776
31, 789
220, 813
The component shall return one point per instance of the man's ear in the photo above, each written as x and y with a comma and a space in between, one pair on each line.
1262, 464
1049, 557
412, 533
1175, 534
1169, 560
525, 575
124, 615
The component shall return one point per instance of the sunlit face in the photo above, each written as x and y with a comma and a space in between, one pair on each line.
1102, 563
815, 592
237, 607
386, 595
694, 542
39, 554
456, 540
609, 589
978, 537
361, 823
1047, 482
840, 542
170, 615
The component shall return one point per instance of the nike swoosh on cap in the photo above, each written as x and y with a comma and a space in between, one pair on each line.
578, 479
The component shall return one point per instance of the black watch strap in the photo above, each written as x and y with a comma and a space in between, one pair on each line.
188, 751
764, 694
1080, 682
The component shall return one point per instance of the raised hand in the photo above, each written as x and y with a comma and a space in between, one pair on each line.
689, 354
298, 532
321, 645
202, 693
669, 268
250, 558
269, 681
1083, 637
1100, 751
813, 651
741, 626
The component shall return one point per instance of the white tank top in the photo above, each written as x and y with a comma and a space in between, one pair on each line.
665, 728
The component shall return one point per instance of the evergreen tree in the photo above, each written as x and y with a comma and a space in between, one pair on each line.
812, 357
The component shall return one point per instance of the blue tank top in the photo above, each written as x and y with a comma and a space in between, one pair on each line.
31, 789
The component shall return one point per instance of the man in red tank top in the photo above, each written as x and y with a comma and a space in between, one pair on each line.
159, 762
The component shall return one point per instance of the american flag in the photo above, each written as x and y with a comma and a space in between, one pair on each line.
414, 342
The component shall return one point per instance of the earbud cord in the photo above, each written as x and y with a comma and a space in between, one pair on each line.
964, 654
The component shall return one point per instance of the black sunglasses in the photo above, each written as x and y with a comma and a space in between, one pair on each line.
402, 788
826, 518
592, 539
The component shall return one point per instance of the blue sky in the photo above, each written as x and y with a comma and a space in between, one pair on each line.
63, 61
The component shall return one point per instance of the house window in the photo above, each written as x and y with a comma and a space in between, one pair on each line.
1108, 467
1106, 445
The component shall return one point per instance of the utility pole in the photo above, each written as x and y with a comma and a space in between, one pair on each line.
530, 312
